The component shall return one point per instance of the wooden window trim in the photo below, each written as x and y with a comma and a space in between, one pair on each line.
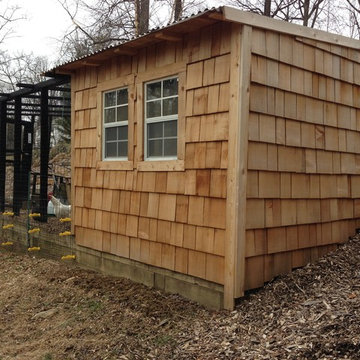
159, 119
115, 124
116, 164
178, 70
161, 165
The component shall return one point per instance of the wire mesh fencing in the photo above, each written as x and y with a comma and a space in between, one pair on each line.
24, 228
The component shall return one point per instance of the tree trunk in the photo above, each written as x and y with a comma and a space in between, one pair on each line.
306, 12
178, 7
142, 10
267, 8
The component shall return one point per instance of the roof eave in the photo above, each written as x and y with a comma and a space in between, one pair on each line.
130, 48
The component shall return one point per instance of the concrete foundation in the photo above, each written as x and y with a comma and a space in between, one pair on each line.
52, 246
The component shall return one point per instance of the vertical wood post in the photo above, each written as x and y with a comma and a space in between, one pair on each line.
44, 152
17, 199
72, 158
3, 116
237, 163
27, 156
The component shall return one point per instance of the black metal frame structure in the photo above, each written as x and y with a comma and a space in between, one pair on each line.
22, 108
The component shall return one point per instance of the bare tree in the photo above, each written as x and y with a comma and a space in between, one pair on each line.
142, 16
8, 17
305, 12
20, 68
178, 9
352, 8
270, 8
308, 12
109, 21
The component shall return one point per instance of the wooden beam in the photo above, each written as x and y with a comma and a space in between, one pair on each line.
168, 36
122, 50
90, 63
237, 163
216, 16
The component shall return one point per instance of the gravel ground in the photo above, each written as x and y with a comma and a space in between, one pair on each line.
51, 310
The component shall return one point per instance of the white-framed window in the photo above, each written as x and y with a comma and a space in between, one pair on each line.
161, 119
115, 122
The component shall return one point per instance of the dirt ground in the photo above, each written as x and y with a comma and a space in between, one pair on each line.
50, 310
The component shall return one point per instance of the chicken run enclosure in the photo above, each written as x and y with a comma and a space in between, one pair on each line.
211, 155
26, 120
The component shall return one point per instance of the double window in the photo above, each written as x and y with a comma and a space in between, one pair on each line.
160, 121
161, 115
115, 124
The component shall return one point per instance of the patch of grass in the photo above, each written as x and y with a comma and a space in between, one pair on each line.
48, 357
163, 340
94, 305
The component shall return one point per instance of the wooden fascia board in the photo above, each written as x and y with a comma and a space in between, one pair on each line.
90, 63
122, 50
168, 36
240, 62
263, 22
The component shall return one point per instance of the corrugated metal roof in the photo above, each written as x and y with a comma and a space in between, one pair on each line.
151, 31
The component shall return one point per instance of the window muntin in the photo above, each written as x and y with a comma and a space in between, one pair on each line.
115, 121
161, 115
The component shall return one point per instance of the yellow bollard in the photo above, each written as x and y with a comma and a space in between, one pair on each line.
65, 219
68, 257
8, 226
8, 213
35, 248
31, 231
34, 215
65, 233
8, 243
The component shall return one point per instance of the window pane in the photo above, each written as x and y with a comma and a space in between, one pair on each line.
155, 130
170, 147
110, 134
122, 113
170, 87
109, 115
153, 109
122, 133
153, 90
110, 98
110, 149
170, 128
155, 148
122, 148
122, 97
170, 106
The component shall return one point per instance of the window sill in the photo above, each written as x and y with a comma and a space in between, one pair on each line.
115, 165
161, 165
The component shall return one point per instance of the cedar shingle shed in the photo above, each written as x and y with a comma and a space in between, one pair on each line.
218, 152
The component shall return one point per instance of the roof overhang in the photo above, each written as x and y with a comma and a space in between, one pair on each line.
175, 31
172, 32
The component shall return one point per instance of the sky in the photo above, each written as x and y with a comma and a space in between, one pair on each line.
44, 26
39, 33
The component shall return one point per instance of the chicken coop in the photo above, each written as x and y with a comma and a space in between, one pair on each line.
212, 155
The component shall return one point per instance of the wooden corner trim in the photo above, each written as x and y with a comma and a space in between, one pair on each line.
240, 64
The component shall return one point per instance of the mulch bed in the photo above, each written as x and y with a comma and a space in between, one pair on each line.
50, 310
